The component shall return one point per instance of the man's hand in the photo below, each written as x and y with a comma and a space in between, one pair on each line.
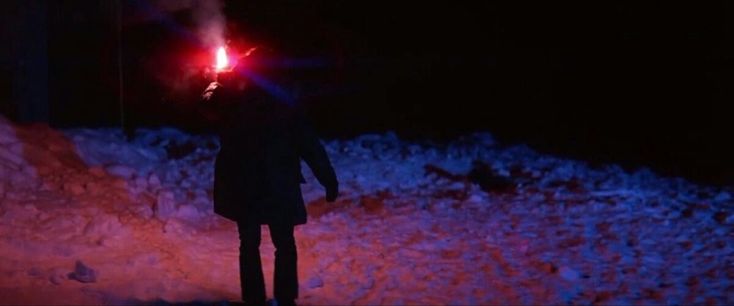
207, 95
331, 194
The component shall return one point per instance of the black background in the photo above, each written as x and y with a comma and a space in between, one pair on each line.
633, 82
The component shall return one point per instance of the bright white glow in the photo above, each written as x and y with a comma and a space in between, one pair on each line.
222, 60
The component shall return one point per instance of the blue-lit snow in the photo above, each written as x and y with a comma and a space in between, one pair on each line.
143, 222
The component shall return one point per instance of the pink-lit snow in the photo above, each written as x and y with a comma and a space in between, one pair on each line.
142, 221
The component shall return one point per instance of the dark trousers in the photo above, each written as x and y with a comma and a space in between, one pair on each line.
285, 288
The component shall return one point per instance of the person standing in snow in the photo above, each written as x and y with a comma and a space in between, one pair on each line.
257, 172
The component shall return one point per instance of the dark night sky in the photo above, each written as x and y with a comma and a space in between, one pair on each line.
639, 83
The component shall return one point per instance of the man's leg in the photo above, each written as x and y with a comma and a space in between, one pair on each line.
286, 258
251, 273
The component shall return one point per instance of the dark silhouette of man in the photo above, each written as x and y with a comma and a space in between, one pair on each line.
257, 172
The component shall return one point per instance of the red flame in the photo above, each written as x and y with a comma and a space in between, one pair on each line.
222, 60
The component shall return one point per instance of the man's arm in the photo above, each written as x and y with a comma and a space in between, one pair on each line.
313, 153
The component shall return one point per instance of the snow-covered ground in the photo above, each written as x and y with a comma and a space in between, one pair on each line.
88, 218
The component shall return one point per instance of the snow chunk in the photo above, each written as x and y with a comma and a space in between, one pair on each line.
94, 188
188, 212
121, 171
103, 224
723, 197
314, 282
10, 156
83, 273
568, 273
97, 172
7, 137
142, 211
153, 181
74, 187
166, 205
57, 276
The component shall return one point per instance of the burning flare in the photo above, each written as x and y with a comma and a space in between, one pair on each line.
222, 63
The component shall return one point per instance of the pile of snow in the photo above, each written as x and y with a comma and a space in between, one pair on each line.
87, 217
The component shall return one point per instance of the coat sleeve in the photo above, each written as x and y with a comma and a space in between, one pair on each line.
313, 153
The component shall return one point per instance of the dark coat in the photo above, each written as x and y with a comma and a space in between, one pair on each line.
257, 172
